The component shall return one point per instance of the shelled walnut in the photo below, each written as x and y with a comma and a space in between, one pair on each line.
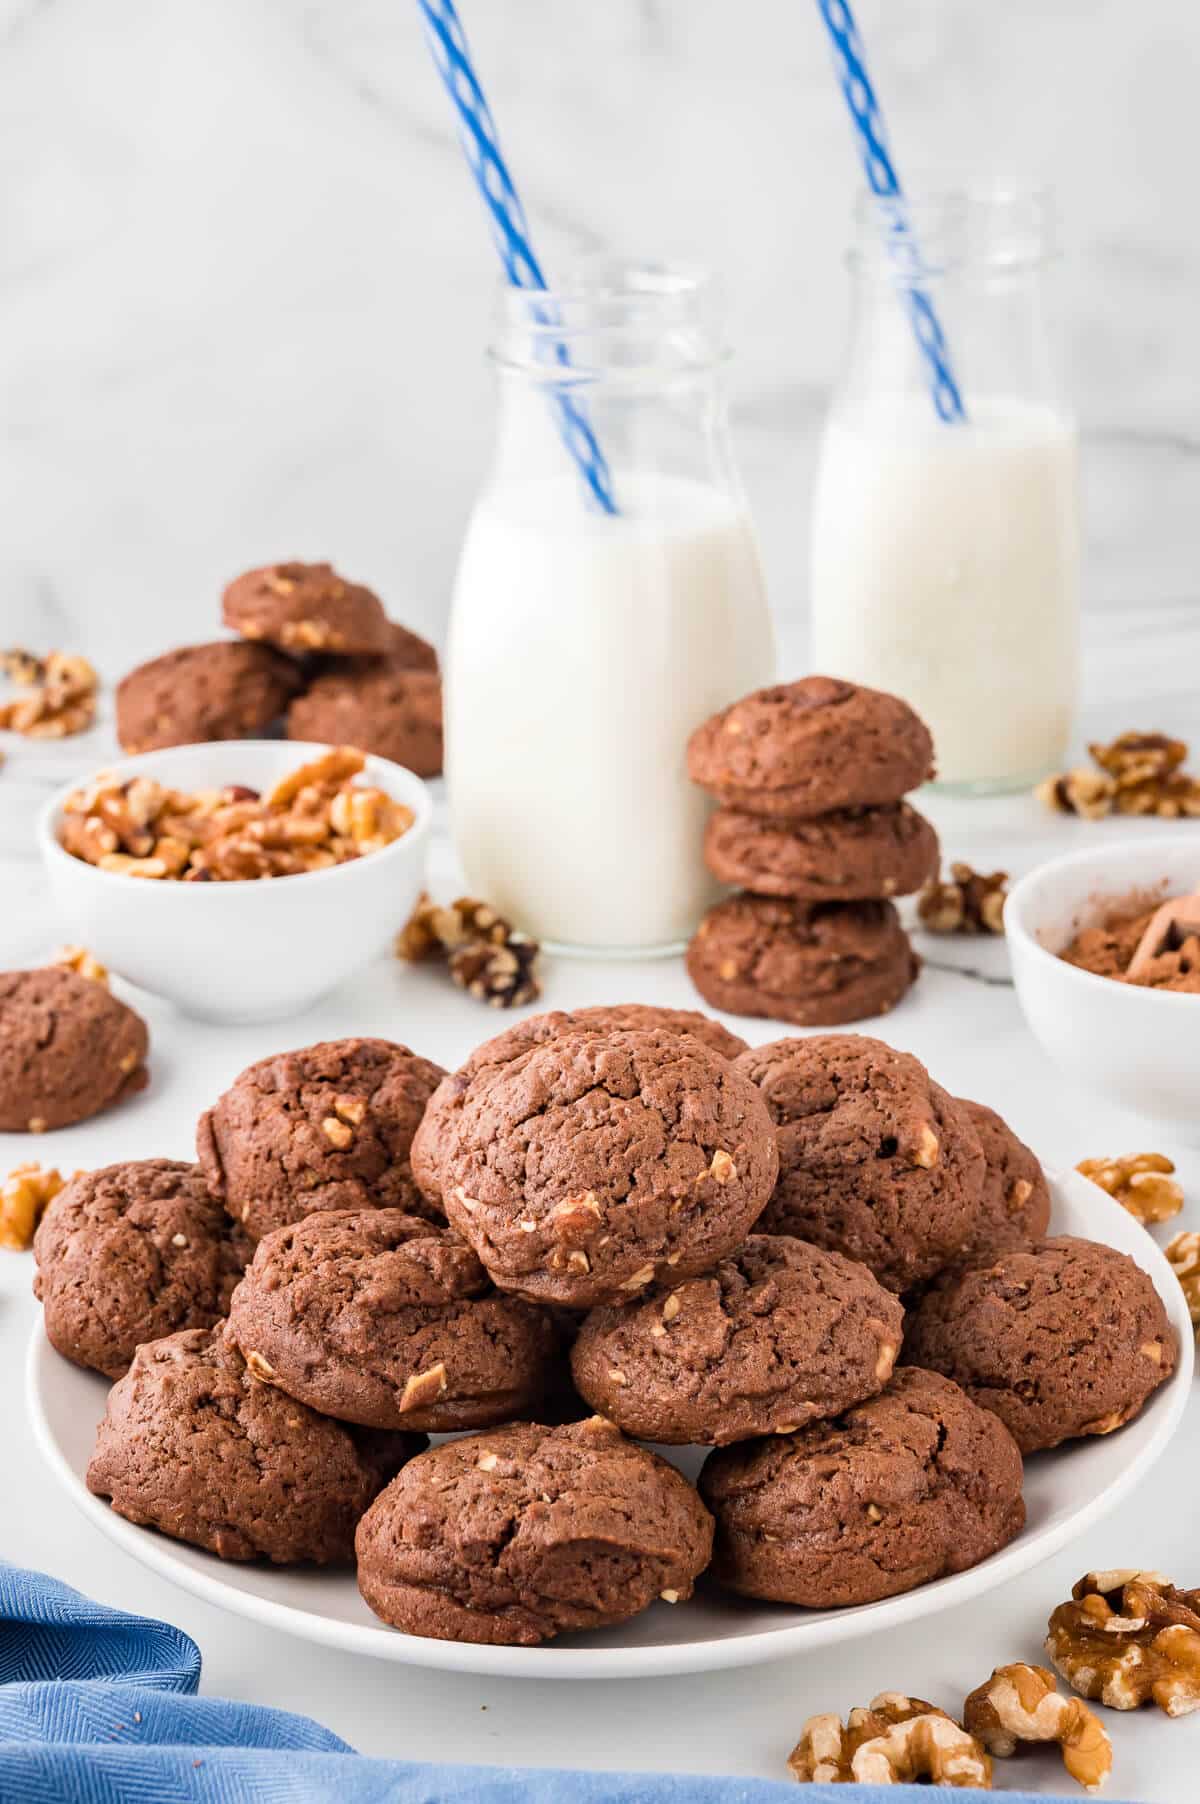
484, 953
1137, 773
1022, 1704
1183, 1257
59, 698
1129, 1638
895, 1740
24, 1196
79, 959
1140, 1182
971, 902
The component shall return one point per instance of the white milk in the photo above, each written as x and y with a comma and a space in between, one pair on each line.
583, 651
945, 567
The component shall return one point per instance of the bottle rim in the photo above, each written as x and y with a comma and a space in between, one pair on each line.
612, 317
971, 230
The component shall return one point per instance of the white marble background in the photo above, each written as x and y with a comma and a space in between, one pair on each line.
244, 279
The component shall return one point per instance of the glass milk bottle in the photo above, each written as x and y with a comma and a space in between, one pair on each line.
945, 555
585, 646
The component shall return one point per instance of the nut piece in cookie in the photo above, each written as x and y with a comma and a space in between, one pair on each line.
1015, 1204
437, 1124
381, 1318
526, 1532
1020, 1705
815, 964
227, 690
67, 1049
327, 1127
775, 1335
807, 748
599, 1164
130, 1253
911, 1485
1064, 1338
1129, 1638
306, 608
855, 854
194, 1445
896, 1740
875, 1160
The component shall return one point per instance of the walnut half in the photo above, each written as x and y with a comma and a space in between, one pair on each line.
1129, 1638
895, 1740
1022, 1704
1140, 1182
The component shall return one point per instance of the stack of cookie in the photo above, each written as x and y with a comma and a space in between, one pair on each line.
813, 826
316, 650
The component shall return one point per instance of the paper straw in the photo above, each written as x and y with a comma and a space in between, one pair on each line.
885, 184
510, 230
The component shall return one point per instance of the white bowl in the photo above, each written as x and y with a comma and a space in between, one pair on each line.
1136, 1047
248, 951
1066, 1491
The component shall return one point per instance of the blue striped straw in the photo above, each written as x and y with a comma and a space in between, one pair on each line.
510, 230
884, 183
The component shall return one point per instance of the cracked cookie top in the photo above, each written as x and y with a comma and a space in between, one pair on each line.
284, 1483
327, 1127
912, 1484
380, 1318
129, 1253
875, 1159
775, 1335
306, 608
526, 1532
1063, 1338
599, 1163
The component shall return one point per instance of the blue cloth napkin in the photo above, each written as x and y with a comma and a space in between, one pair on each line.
99, 1707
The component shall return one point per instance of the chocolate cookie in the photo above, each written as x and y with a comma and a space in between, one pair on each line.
379, 706
227, 690
380, 1318
815, 964
306, 608
129, 1253
807, 748
1015, 1205
598, 1164
432, 1137
773, 1336
916, 1483
856, 853
327, 1127
1060, 1339
875, 1160
68, 1049
525, 1532
193, 1445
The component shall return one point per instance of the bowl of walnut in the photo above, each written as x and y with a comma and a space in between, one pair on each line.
1105, 948
240, 880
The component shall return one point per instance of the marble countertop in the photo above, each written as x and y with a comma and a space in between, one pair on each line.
962, 1019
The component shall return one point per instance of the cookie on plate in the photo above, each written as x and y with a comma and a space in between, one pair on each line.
807, 748
68, 1049
130, 1253
854, 854
815, 964
437, 1123
600, 1163
913, 1484
380, 1318
1061, 1339
1015, 1205
379, 706
194, 1445
775, 1335
526, 1532
227, 690
875, 1160
306, 608
326, 1127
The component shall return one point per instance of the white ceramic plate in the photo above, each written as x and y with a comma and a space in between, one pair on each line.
1065, 1492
